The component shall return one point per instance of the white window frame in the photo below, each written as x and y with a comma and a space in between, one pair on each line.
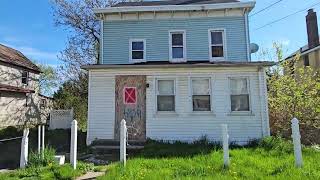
184, 59
144, 50
249, 94
210, 92
224, 44
174, 94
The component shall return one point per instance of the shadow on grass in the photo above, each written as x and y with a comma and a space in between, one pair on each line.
164, 149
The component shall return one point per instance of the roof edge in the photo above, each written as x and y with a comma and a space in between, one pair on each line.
188, 7
176, 65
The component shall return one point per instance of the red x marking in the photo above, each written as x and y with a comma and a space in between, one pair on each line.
130, 95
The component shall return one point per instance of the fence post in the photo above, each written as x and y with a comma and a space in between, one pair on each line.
43, 131
73, 144
24, 149
39, 140
225, 145
296, 142
123, 141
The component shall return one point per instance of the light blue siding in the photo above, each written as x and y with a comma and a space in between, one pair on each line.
117, 34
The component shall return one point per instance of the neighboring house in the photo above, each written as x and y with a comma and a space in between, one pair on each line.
20, 101
177, 70
310, 53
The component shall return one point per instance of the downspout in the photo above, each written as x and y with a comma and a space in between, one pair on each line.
246, 21
264, 112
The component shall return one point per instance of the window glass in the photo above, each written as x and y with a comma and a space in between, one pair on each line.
177, 39
239, 94
177, 52
137, 54
137, 45
216, 37
166, 95
201, 94
217, 51
306, 60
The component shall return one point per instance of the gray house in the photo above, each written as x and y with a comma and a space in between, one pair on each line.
176, 70
20, 101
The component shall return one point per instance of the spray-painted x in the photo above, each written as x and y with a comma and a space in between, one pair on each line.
130, 95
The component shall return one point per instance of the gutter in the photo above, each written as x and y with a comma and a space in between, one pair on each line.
199, 65
161, 8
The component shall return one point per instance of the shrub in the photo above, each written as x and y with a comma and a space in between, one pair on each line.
277, 144
36, 160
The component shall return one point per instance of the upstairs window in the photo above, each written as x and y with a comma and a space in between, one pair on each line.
306, 60
217, 45
177, 49
137, 50
239, 94
25, 77
201, 94
165, 95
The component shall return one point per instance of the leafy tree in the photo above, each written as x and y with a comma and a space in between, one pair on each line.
74, 94
48, 79
294, 95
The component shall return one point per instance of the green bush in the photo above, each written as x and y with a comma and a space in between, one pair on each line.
276, 144
36, 160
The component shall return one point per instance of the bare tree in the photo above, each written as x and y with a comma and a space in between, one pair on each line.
78, 18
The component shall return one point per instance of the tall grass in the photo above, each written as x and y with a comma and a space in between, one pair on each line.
271, 158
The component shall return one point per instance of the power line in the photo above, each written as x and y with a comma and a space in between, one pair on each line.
266, 8
280, 19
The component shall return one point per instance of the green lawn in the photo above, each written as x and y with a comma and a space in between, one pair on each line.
270, 159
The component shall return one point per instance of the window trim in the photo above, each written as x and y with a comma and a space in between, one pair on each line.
184, 59
174, 94
224, 44
210, 93
27, 78
249, 94
144, 50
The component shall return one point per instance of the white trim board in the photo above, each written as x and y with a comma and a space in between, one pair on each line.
193, 7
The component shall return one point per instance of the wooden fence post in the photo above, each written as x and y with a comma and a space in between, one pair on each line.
225, 145
24, 149
73, 144
296, 142
123, 141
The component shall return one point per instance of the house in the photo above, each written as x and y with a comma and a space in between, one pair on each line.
20, 101
177, 70
310, 53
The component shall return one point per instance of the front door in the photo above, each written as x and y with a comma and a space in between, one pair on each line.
130, 99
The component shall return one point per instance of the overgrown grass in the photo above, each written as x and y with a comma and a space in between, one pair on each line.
53, 171
272, 158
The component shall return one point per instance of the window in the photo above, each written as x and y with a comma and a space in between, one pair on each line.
43, 103
306, 60
201, 94
137, 50
217, 44
239, 94
165, 95
25, 77
177, 41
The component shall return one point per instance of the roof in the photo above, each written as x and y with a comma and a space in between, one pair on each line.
8, 88
303, 50
189, 64
175, 5
15, 57
172, 2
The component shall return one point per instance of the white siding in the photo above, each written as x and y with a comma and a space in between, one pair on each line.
184, 124
101, 110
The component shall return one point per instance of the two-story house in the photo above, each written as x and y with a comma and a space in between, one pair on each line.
20, 101
177, 70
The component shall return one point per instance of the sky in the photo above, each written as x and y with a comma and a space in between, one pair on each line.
28, 25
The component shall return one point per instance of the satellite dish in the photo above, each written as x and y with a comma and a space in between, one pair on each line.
254, 48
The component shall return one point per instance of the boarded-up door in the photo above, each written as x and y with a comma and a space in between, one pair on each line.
131, 105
